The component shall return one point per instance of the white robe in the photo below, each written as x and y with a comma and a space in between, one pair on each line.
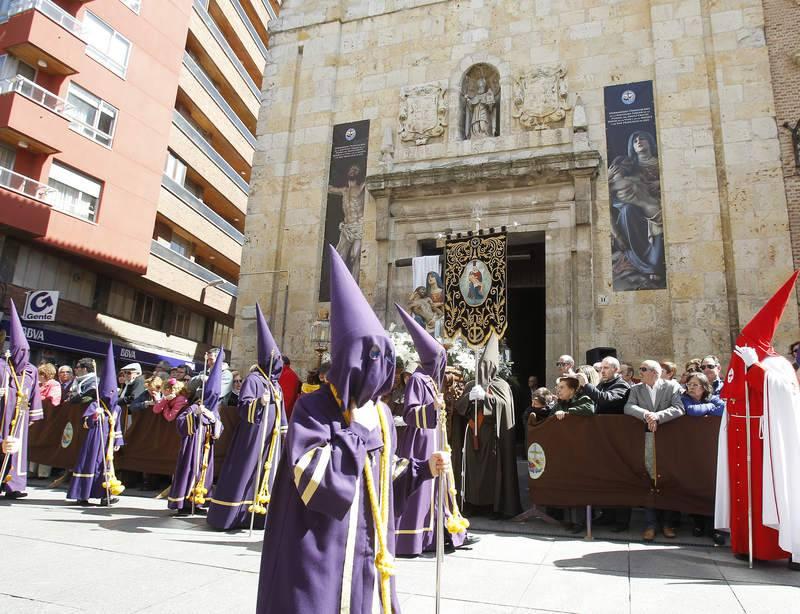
780, 430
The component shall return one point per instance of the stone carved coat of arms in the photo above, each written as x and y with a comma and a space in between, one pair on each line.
540, 97
423, 113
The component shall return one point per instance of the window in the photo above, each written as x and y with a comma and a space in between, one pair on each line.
134, 5
105, 45
194, 188
102, 293
7, 157
180, 245
95, 118
26, 70
175, 168
181, 322
75, 193
146, 309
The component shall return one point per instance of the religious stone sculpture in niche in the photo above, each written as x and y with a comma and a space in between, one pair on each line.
540, 97
480, 109
423, 113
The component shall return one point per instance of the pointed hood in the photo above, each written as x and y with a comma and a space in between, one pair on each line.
758, 334
18, 342
266, 345
213, 385
489, 362
362, 354
432, 356
108, 381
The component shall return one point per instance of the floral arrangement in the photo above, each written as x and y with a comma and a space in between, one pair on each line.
458, 355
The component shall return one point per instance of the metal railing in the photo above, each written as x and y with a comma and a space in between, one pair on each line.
36, 93
262, 48
198, 73
50, 10
226, 48
189, 199
191, 267
25, 185
212, 154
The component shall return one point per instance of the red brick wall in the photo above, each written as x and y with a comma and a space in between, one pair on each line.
782, 19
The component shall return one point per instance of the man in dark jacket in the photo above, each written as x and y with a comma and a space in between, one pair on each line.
611, 393
134, 394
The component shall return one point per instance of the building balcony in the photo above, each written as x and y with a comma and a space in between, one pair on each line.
190, 213
241, 35
43, 34
197, 152
31, 116
23, 204
169, 270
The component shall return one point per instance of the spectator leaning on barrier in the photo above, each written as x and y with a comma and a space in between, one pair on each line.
49, 388
655, 401
710, 368
610, 395
65, 378
569, 400
85, 382
699, 400
135, 394
541, 405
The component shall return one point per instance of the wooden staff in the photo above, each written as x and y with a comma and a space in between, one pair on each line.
100, 420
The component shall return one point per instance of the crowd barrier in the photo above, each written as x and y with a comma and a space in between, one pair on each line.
151, 443
600, 460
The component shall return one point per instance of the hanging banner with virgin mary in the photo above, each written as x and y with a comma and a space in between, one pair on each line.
475, 288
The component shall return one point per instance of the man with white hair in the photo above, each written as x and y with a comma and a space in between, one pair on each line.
134, 393
654, 401
611, 393
565, 365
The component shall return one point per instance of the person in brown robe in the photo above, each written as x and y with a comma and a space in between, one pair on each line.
487, 407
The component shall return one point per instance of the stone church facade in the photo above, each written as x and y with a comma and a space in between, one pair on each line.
532, 157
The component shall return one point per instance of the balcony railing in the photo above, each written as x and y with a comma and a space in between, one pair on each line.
34, 92
201, 208
24, 185
199, 74
201, 10
50, 10
191, 267
212, 154
237, 6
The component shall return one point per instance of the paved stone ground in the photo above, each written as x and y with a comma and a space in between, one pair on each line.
137, 558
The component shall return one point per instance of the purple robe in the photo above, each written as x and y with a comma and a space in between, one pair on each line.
192, 429
30, 411
415, 524
237, 479
319, 545
88, 474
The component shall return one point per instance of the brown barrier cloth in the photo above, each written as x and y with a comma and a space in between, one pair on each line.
599, 461
151, 443
52, 442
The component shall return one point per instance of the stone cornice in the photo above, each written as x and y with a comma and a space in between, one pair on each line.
466, 176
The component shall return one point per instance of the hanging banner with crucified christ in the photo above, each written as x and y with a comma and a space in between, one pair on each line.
475, 288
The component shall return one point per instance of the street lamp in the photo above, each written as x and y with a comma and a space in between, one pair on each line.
321, 335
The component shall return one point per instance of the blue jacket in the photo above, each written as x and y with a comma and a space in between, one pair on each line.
712, 406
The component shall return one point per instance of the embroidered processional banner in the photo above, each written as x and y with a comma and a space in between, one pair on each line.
475, 288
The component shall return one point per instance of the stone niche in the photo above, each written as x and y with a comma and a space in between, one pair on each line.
480, 103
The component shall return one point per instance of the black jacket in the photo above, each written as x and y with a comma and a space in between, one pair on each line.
135, 395
609, 397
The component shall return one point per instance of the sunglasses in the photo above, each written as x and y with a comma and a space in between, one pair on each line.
237, 381
562, 364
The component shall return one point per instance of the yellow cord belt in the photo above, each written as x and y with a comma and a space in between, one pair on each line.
12, 431
111, 482
263, 496
199, 492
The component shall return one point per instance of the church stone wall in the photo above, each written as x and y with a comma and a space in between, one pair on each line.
724, 208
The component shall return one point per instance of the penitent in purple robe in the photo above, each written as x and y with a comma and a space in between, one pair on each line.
88, 473
192, 427
319, 546
415, 523
30, 410
236, 485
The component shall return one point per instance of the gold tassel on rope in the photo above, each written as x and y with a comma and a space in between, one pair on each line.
263, 497
200, 491
112, 483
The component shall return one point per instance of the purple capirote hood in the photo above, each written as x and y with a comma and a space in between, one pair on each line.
213, 385
362, 354
266, 346
18, 342
432, 356
108, 382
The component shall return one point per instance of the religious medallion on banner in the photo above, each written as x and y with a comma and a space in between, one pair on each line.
475, 288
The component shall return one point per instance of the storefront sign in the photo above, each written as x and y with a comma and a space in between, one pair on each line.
40, 305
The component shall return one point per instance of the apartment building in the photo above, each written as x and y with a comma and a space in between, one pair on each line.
127, 133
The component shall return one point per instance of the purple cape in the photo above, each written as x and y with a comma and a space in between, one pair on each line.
193, 429
415, 526
30, 411
319, 545
88, 473
236, 485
